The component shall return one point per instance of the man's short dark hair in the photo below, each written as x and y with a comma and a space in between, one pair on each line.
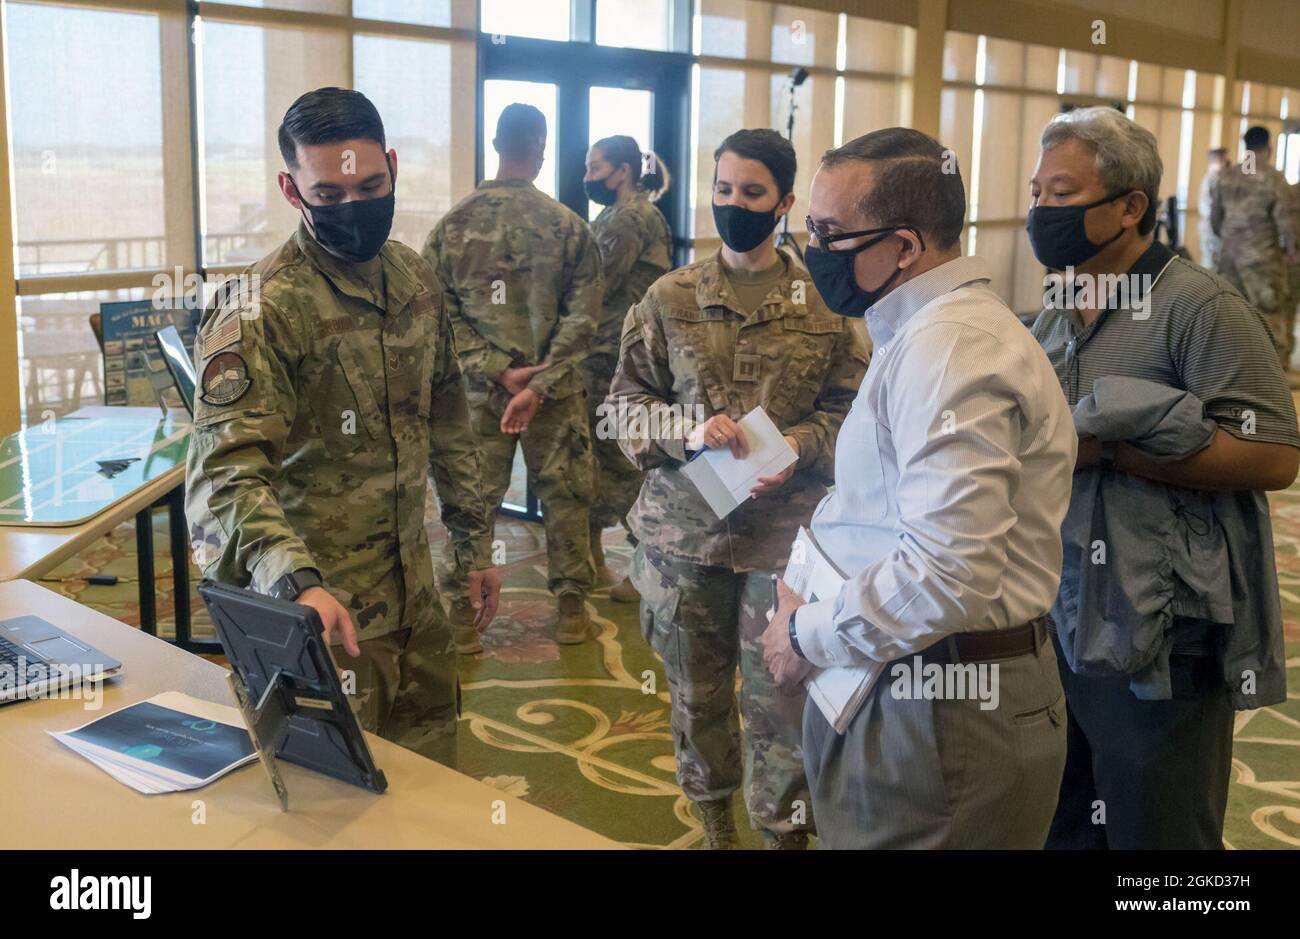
1256, 138
519, 128
917, 182
767, 147
328, 115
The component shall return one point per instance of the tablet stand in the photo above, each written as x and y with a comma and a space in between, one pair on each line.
268, 725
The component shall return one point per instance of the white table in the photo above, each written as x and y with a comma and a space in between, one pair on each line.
30, 552
50, 797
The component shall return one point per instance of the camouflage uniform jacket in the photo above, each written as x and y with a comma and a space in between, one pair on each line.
319, 410
686, 347
636, 249
1211, 244
523, 284
1294, 193
1250, 212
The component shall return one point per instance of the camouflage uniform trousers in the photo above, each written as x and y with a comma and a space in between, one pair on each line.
1265, 286
617, 480
407, 689
557, 452
703, 622
1292, 307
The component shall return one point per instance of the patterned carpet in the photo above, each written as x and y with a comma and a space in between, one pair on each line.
583, 731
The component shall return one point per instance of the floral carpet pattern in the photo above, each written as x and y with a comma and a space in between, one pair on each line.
582, 731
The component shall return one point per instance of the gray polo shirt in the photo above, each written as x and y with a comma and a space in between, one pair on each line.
1185, 328
1193, 332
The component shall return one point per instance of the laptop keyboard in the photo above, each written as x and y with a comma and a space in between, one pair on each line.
12, 656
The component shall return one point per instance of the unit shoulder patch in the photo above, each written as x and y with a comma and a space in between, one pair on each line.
225, 379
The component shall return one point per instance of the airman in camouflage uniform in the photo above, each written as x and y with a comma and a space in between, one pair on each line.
524, 289
1211, 244
705, 583
1293, 260
635, 249
1250, 211
321, 403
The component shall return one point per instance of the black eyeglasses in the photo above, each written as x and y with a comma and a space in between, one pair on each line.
822, 240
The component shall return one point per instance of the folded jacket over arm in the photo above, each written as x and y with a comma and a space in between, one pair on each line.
1138, 554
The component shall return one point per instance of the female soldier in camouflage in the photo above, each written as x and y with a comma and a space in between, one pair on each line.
636, 248
739, 329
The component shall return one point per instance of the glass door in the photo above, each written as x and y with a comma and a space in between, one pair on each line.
613, 111
499, 92
588, 91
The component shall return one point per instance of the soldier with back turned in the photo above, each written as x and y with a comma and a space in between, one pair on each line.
1250, 212
524, 289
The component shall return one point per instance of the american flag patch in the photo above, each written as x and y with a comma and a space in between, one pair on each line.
226, 334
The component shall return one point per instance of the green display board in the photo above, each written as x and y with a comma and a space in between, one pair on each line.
65, 471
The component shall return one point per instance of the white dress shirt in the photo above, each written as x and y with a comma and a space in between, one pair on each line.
952, 477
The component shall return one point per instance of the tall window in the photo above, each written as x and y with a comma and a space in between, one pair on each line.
859, 78
87, 140
1273, 107
112, 195
97, 179
997, 96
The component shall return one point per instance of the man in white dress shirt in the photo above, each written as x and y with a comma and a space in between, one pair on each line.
952, 477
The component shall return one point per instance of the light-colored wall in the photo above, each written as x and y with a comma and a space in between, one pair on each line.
1202, 17
1273, 26
1182, 33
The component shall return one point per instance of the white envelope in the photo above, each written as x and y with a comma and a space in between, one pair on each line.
724, 481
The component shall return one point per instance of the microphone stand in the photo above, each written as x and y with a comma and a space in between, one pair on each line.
785, 240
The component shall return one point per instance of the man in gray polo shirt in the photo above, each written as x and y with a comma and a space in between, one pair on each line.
1147, 773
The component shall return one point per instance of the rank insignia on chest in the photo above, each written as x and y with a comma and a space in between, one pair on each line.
225, 379
747, 367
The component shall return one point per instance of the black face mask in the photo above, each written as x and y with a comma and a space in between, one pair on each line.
743, 229
832, 274
600, 193
353, 231
1059, 237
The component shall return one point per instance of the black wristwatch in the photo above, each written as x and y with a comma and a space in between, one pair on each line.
794, 637
292, 585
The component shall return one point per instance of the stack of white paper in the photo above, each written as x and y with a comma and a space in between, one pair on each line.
838, 691
170, 743
725, 481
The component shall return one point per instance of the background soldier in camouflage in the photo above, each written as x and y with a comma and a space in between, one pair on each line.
329, 382
1293, 260
1211, 244
1250, 211
636, 248
740, 329
524, 288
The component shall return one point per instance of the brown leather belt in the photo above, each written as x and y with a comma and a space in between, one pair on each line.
986, 645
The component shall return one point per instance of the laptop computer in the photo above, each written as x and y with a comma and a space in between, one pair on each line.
38, 658
177, 359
